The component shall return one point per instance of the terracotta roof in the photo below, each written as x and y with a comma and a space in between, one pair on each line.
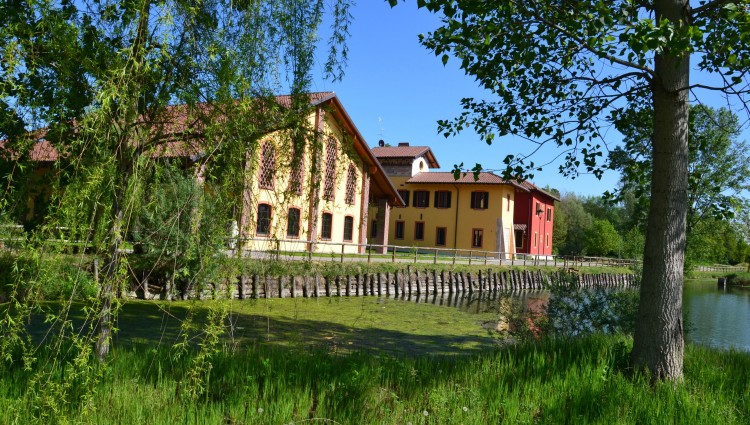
409, 152
315, 98
175, 120
529, 186
42, 151
468, 178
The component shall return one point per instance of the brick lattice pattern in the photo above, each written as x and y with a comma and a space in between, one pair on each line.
330, 177
351, 184
267, 165
297, 174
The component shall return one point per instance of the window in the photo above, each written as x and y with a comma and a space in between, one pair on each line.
419, 231
538, 210
404, 194
480, 200
546, 240
536, 239
374, 229
440, 236
297, 172
267, 166
442, 199
351, 185
477, 236
421, 198
519, 239
399, 230
329, 185
507, 200
263, 226
348, 228
292, 223
549, 214
327, 226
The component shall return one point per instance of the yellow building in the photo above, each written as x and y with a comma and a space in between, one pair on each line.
321, 201
443, 212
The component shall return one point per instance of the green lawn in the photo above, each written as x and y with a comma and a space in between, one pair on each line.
357, 361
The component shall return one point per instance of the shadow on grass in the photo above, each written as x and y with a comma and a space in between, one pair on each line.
154, 325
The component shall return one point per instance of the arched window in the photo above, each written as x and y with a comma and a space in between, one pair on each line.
348, 228
267, 165
297, 175
292, 223
264, 220
326, 228
351, 184
330, 177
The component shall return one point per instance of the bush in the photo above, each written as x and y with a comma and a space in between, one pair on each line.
579, 311
52, 277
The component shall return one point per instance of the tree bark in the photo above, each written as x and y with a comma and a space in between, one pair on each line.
659, 344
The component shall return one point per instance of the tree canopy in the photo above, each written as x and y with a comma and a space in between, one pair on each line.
563, 71
718, 171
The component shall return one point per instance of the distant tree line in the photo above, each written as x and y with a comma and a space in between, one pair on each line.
717, 219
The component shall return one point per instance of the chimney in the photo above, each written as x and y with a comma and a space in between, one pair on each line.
403, 144
381, 143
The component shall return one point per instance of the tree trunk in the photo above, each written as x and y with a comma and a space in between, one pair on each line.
659, 344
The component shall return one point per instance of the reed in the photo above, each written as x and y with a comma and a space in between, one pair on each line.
356, 361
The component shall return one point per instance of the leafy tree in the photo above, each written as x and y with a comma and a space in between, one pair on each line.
718, 172
632, 243
560, 71
112, 84
578, 221
602, 239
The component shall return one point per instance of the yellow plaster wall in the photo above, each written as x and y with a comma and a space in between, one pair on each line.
468, 218
281, 199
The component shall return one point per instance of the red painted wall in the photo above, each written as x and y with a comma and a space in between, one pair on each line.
525, 213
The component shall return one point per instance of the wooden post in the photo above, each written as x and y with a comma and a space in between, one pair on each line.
435, 260
342, 252
316, 285
471, 254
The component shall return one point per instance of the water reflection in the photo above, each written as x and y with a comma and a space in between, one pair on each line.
712, 317
481, 302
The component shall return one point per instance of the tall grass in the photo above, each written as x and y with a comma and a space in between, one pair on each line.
549, 381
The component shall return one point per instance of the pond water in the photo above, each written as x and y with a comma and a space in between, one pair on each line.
713, 317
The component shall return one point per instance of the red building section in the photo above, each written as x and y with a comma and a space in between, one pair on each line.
533, 220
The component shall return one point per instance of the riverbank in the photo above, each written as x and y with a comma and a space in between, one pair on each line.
349, 360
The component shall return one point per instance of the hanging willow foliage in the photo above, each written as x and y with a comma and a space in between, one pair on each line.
101, 104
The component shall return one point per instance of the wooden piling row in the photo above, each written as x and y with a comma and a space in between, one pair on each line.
401, 283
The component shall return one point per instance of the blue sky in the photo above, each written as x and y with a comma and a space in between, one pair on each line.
396, 90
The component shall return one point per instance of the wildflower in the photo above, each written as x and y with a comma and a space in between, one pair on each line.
260, 410
426, 413
466, 409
